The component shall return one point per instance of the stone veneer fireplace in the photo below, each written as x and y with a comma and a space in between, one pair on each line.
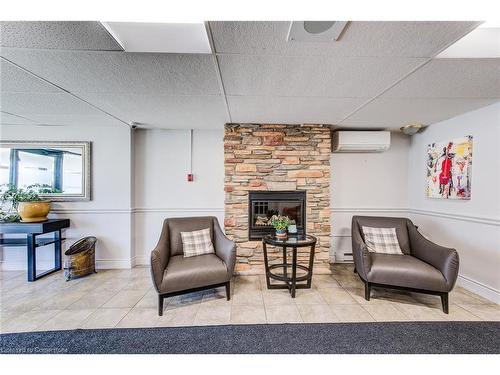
276, 158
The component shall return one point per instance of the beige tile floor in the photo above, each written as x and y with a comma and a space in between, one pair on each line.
126, 298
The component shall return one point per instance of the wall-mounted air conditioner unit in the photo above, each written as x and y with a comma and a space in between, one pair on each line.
361, 141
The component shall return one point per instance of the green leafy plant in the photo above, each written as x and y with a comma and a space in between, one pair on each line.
44, 189
280, 222
8, 217
9, 192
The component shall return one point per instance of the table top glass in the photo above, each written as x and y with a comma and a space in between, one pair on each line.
290, 240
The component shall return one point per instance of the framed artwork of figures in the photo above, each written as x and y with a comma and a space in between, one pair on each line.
449, 169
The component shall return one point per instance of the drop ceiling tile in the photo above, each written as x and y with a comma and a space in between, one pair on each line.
451, 78
290, 110
173, 112
405, 39
77, 120
12, 119
79, 35
28, 104
122, 72
312, 75
13, 79
394, 113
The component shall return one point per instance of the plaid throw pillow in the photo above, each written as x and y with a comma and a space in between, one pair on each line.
197, 242
382, 240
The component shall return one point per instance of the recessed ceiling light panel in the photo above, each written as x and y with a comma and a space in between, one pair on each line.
315, 31
483, 42
160, 37
490, 25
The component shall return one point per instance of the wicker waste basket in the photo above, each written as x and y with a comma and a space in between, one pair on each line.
80, 258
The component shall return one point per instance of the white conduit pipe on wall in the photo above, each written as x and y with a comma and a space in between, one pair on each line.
190, 173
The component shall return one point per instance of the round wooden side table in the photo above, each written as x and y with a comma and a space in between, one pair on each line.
290, 280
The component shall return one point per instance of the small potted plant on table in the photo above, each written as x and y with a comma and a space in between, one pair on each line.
280, 223
27, 202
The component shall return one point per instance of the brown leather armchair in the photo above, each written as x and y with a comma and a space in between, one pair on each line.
174, 275
424, 268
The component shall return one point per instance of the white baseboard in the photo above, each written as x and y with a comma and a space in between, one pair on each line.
479, 288
22, 266
100, 264
141, 260
113, 264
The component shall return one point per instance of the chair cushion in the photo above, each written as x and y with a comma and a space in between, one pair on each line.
197, 242
187, 224
400, 223
193, 272
406, 271
382, 240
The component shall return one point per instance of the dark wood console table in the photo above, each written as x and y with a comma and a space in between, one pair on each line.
32, 230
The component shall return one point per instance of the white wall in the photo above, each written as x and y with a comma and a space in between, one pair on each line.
108, 215
140, 178
373, 184
361, 183
472, 227
161, 186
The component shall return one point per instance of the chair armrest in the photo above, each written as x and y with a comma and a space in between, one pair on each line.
224, 248
444, 259
160, 256
360, 253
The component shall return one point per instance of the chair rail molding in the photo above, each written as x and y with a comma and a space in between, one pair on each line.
97, 211
471, 218
177, 210
368, 209
132, 210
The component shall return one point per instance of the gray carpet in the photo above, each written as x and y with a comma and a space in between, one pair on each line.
405, 337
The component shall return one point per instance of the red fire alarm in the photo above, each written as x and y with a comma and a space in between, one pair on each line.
190, 177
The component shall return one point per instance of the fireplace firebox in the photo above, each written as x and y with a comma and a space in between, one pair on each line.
263, 205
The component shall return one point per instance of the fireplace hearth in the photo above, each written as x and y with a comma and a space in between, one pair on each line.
263, 205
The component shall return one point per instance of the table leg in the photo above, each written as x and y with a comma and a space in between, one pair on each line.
285, 273
294, 271
31, 241
311, 264
57, 250
266, 265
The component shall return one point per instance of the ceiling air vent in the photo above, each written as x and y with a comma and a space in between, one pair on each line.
315, 31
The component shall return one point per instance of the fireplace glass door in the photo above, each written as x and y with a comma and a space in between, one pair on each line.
264, 205
263, 212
